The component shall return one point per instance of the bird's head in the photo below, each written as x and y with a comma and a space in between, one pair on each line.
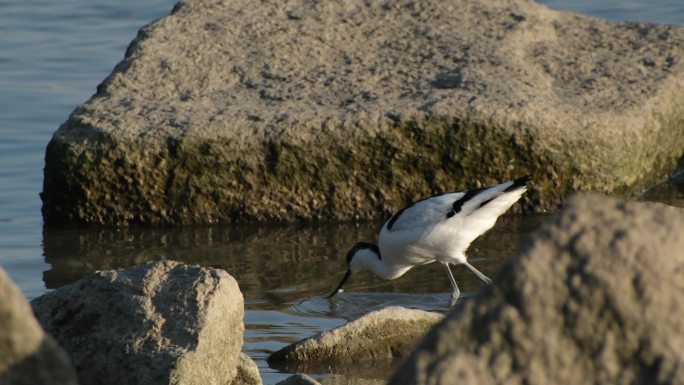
357, 258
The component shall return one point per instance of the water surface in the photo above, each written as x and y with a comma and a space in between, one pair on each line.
284, 271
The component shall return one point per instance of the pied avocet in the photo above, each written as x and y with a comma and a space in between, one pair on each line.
438, 228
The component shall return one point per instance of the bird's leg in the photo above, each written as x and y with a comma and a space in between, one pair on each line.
477, 272
454, 286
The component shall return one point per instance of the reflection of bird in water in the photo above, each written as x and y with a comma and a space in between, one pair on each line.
438, 228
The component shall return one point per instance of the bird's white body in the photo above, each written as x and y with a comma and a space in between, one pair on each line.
439, 228
422, 234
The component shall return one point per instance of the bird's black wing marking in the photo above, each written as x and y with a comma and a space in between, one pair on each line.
517, 183
520, 182
396, 216
487, 201
458, 204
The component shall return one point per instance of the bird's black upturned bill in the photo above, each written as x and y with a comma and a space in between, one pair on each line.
344, 279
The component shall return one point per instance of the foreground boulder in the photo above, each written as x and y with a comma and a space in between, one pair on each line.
27, 355
247, 372
597, 297
377, 337
336, 110
159, 323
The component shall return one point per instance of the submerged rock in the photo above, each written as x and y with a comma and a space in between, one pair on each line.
27, 355
596, 297
376, 337
159, 323
299, 379
335, 110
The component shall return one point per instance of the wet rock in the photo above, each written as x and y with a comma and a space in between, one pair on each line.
247, 372
378, 336
595, 297
227, 111
299, 379
159, 323
337, 379
27, 354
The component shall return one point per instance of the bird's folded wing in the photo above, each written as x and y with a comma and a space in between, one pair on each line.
424, 213
484, 203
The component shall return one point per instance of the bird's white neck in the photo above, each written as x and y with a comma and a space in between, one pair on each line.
367, 259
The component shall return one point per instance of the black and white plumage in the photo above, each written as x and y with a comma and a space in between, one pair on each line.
438, 228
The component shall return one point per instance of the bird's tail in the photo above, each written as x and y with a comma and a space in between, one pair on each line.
483, 210
519, 183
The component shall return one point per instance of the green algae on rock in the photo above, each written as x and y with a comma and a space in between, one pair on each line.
223, 112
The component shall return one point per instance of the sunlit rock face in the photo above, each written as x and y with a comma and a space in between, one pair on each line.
159, 323
243, 110
596, 296
375, 339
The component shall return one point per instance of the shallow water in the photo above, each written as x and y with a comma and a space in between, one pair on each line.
656, 11
53, 55
284, 271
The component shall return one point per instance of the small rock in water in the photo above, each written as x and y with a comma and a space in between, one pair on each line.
299, 379
378, 336
159, 323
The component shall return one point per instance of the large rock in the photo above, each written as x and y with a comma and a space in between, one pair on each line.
159, 323
347, 109
596, 297
377, 337
27, 355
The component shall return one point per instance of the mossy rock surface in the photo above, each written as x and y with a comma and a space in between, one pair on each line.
229, 111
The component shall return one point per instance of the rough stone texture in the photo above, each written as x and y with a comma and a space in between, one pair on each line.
159, 323
299, 379
377, 336
288, 110
247, 372
336, 379
27, 355
596, 297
